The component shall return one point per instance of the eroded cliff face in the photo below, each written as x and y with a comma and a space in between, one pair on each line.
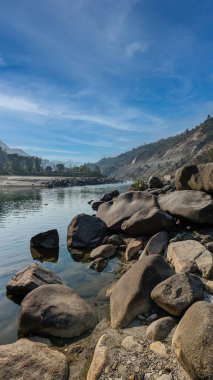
164, 156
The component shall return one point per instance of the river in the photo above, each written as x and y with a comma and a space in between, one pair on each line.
24, 212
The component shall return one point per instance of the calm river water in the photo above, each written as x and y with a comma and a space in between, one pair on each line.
26, 212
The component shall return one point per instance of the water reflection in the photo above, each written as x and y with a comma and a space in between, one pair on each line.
45, 254
16, 199
26, 212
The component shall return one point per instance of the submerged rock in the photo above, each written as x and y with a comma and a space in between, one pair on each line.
98, 264
113, 213
192, 341
55, 310
45, 254
25, 359
30, 278
48, 239
85, 231
131, 294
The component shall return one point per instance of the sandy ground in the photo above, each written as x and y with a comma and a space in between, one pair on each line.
26, 181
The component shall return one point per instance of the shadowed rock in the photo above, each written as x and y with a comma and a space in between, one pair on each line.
85, 231
48, 239
131, 294
45, 254
160, 329
55, 310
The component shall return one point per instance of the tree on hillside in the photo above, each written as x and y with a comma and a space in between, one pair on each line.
60, 168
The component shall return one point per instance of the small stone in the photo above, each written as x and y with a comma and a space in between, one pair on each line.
165, 377
152, 317
130, 344
98, 264
116, 240
99, 359
105, 251
133, 247
137, 369
158, 348
141, 317
209, 285
107, 369
122, 370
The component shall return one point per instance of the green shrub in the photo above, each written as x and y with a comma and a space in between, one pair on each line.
138, 185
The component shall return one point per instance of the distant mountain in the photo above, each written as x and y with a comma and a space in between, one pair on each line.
9, 150
164, 156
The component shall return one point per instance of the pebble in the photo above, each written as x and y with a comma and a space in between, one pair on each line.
152, 317
122, 370
141, 317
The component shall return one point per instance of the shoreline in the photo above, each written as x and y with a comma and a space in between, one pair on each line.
51, 182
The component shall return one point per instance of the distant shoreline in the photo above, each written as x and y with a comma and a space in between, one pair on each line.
51, 182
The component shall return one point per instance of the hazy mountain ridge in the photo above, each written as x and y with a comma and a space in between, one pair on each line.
164, 156
9, 150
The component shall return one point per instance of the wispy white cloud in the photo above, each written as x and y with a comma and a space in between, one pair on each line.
136, 47
48, 150
20, 104
2, 62
119, 118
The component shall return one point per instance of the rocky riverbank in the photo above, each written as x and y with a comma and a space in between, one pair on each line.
160, 324
30, 181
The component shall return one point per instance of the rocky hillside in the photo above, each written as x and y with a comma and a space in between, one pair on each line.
164, 156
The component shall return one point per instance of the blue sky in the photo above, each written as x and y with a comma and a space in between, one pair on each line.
84, 79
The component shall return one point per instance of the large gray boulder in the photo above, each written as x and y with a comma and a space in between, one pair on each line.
55, 310
178, 292
47, 239
30, 278
191, 205
148, 222
190, 256
85, 231
113, 213
25, 360
131, 294
195, 177
193, 341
